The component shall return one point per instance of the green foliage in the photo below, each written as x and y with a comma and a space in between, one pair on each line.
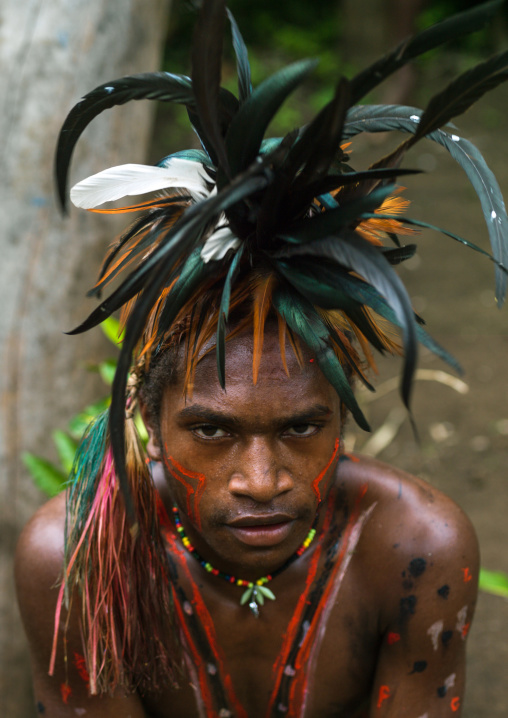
51, 478
495, 582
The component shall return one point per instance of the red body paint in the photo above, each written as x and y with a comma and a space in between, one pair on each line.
320, 477
80, 663
206, 622
467, 574
393, 638
194, 492
455, 704
65, 692
465, 629
384, 694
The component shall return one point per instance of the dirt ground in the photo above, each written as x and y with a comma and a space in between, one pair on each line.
463, 446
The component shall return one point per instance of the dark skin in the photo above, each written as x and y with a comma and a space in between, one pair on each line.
392, 635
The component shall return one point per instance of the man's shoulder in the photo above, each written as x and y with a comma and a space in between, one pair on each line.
39, 553
414, 530
406, 504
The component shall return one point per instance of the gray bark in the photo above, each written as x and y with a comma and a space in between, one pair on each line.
51, 53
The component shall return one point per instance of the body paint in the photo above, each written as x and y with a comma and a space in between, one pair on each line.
446, 637
407, 606
393, 638
202, 668
467, 574
384, 694
320, 477
461, 621
455, 704
291, 675
419, 667
65, 692
40, 707
194, 493
434, 632
449, 683
444, 591
417, 566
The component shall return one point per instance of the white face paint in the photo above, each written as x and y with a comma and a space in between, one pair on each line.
434, 633
80, 711
425, 715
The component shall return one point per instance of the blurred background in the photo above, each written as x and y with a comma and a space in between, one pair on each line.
51, 53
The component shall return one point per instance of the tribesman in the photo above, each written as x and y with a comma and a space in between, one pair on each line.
242, 563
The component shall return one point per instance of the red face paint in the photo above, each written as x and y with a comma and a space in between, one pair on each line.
467, 574
393, 638
320, 477
384, 694
194, 491
455, 704
65, 692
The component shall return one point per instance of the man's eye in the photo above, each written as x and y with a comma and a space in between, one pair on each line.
302, 430
208, 431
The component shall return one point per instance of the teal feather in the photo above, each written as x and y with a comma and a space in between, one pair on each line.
304, 321
242, 60
220, 347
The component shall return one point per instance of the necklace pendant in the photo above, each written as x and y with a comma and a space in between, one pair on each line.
254, 608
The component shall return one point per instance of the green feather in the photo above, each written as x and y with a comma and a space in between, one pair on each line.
303, 319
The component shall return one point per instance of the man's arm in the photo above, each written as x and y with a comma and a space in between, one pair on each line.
38, 565
434, 577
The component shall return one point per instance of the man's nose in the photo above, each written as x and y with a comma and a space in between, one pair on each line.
260, 475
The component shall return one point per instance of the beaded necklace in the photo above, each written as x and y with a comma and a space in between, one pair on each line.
255, 591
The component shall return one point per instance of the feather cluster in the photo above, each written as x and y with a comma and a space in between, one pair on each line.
282, 225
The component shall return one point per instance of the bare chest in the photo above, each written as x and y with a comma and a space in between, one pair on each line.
310, 653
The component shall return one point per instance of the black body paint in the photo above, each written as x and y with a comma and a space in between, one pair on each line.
40, 707
417, 566
441, 691
419, 667
446, 636
407, 606
444, 591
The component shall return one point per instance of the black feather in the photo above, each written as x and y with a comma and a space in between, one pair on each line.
242, 60
206, 75
149, 86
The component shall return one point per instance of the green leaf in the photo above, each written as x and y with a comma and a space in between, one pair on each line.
79, 423
246, 595
111, 328
66, 447
266, 592
495, 582
258, 597
45, 475
141, 428
107, 370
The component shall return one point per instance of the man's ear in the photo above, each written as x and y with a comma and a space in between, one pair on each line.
153, 448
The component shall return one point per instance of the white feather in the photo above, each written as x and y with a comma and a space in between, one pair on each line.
218, 244
125, 180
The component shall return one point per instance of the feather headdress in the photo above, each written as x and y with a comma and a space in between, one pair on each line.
284, 225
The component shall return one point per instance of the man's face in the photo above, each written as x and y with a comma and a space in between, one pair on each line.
248, 465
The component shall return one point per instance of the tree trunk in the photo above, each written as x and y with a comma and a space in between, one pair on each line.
51, 53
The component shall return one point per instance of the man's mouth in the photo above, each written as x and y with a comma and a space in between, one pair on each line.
262, 531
